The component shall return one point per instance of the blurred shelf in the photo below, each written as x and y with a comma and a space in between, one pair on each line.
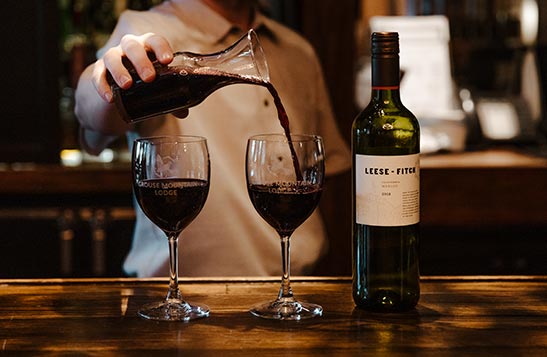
493, 158
57, 179
484, 188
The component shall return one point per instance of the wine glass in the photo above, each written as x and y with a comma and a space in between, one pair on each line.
284, 181
171, 183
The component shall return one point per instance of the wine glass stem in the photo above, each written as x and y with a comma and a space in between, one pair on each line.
173, 268
286, 292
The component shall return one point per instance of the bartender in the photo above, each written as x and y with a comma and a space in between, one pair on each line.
228, 238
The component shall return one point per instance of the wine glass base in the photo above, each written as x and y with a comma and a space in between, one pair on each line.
173, 310
287, 310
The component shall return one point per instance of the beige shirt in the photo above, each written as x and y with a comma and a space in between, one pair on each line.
229, 238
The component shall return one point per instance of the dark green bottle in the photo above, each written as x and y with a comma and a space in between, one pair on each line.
386, 190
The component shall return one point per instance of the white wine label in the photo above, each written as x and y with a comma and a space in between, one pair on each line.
387, 190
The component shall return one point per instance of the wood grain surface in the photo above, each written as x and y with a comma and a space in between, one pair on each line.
457, 316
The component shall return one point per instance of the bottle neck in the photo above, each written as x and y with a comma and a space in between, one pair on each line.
385, 77
383, 94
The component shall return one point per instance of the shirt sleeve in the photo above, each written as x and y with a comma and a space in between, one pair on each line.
94, 142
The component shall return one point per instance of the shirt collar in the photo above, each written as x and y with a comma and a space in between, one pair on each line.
214, 26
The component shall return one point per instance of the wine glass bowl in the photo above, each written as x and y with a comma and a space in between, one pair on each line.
285, 181
171, 183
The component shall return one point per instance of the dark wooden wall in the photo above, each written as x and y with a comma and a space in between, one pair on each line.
29, 116
330, 27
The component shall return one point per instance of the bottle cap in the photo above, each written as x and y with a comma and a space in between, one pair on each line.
385, 43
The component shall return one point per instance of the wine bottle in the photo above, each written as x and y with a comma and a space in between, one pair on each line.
386, 190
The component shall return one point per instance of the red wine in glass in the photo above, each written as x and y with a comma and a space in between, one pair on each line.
172, 203
171, 183
285, 202
285, 206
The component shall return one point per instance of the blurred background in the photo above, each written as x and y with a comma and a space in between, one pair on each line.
474, 74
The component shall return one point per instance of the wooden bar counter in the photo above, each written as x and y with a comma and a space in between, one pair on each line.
491, 316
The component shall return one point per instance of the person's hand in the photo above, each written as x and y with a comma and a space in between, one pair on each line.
135, 48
